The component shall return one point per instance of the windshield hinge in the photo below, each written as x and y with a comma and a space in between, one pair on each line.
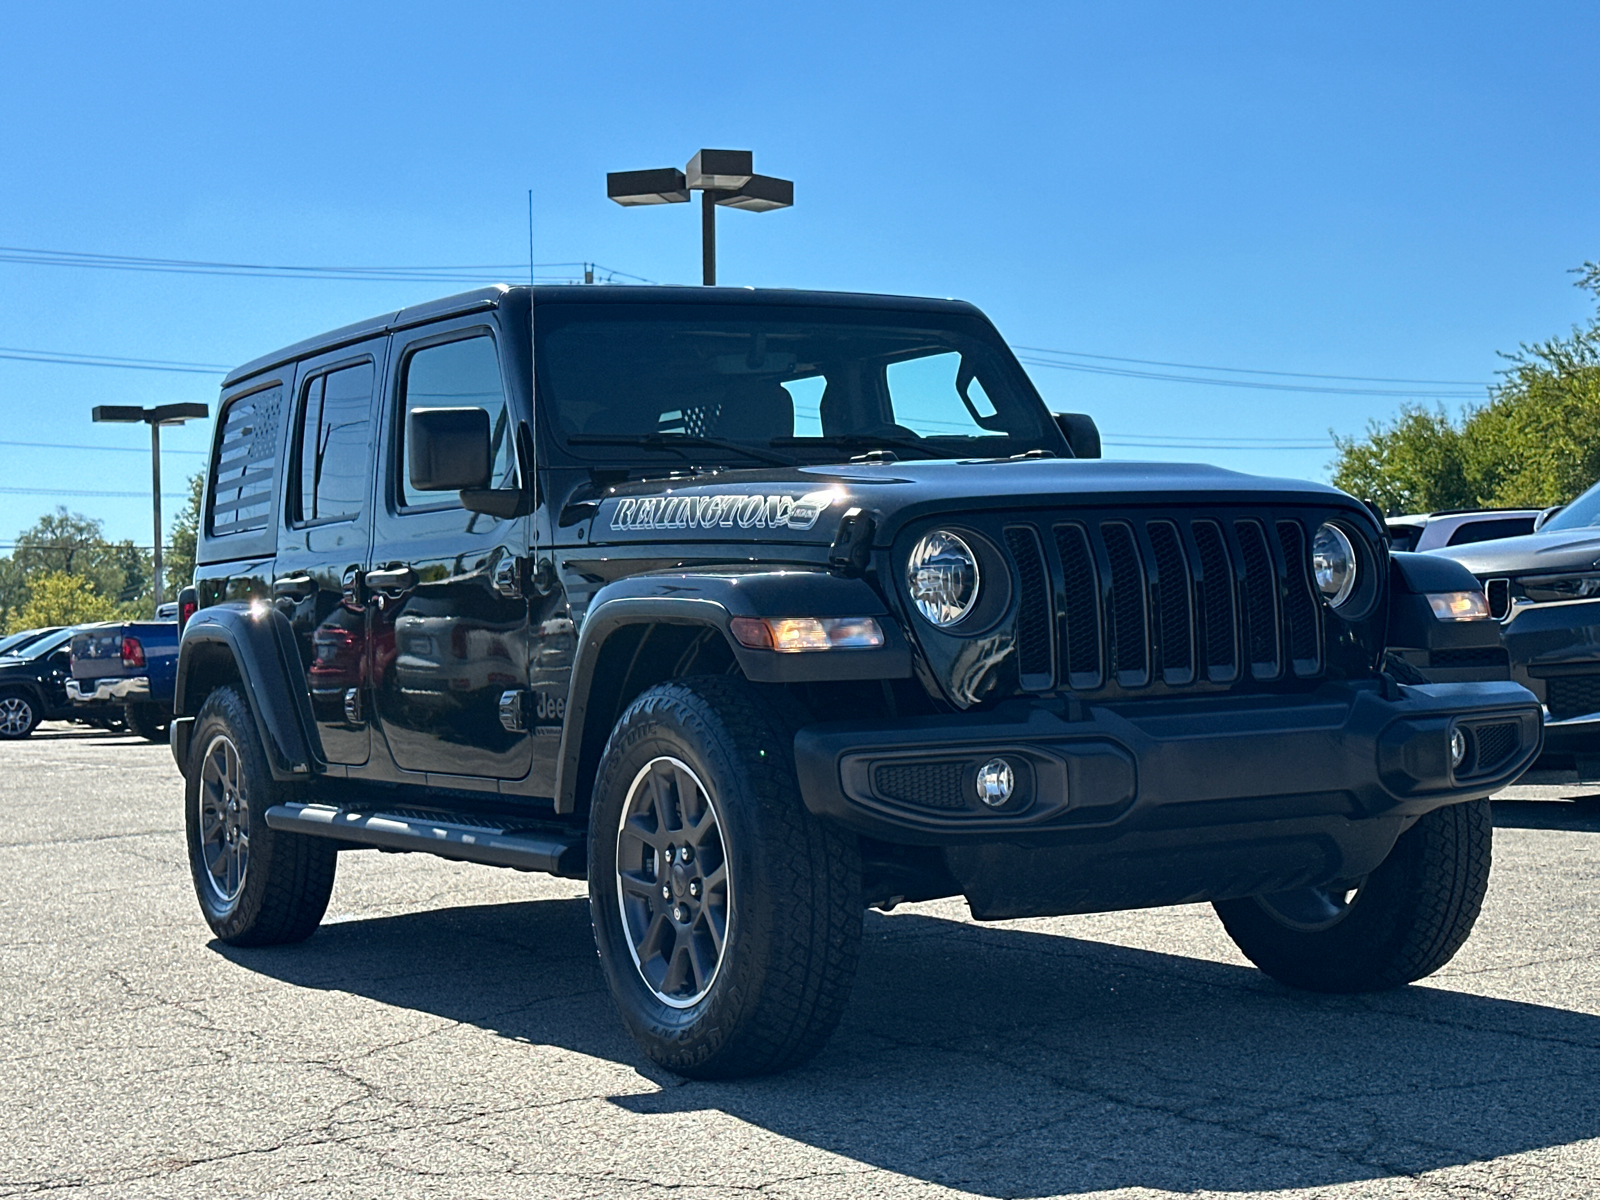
852, 545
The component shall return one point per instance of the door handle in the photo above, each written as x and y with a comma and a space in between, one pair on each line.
391, 579
297, 586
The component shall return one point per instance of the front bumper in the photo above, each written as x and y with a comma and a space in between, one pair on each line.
1164, 802
1555, 654
109, 691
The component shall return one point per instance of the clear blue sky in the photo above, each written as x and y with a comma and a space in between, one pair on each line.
1363, 189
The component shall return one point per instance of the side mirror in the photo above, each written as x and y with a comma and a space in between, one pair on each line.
1539, 521
1081, 433
448, 449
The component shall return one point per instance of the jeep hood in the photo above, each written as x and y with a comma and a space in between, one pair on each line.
805, 504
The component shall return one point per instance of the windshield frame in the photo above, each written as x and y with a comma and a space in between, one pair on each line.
961, 321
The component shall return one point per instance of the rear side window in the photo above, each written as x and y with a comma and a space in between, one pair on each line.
462, 374
246, 462
333, 446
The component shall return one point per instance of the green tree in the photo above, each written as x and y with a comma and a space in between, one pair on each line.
1534, 442
73, 544
58, 598
178, 554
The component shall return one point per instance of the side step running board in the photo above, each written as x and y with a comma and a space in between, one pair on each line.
461, 836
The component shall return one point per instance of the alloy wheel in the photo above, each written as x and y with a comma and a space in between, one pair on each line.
16, 717
1312, 909
673, 889
224, 820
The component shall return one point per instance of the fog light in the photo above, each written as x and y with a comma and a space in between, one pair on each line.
996, 782
1458, 748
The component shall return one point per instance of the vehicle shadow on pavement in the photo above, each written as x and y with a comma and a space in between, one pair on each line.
1567, 816
1010, 1062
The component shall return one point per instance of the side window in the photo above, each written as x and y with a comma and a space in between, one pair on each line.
245, 463
461, 374
333, 446
926, 399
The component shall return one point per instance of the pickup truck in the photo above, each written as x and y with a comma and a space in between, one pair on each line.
130, 666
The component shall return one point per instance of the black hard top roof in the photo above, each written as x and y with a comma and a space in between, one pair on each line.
492, 297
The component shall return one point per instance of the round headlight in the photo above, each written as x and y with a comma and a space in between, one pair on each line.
1333, 562
943, 577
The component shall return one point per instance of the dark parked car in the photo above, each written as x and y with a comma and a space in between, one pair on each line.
1545, 590
756, 608
15, 643
33, 683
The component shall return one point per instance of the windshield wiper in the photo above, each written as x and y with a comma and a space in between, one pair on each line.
677, 442
859, 441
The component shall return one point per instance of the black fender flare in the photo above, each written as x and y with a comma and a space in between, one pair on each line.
712, 599
261, 644
1412, 625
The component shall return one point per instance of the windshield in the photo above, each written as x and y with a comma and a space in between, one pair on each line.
1582, 513
41, 645
811, 382
17, 642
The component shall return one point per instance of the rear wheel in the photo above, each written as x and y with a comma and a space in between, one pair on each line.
19, 714
1395, 926
256, 886
727, 917
147, 721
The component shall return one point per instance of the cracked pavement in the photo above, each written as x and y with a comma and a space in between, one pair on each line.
447, 1033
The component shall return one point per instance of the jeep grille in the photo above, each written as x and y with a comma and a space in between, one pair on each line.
1129, 603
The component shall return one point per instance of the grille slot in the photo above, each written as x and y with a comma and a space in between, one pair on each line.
1260, 610
1080, 608
1173, 601
1129, 642
1572, 696
1216, 591
1498, 592
1033, 613
935, 785
1299, 609
1495, 744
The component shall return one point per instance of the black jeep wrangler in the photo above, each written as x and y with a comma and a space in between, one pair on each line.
759, 608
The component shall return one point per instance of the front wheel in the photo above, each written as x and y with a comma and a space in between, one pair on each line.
727, 917
19, 714
256, 885
1395, 926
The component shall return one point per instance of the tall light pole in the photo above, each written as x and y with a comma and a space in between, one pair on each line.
164, 414
725, 177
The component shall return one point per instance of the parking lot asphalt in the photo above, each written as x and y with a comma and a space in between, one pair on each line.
447, 1033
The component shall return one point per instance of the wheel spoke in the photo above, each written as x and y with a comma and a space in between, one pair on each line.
636, 885
650, 944
656, 838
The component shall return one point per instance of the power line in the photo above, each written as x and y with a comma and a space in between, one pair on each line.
19, 491
145, 450
18, 354
1152, 362
469, 273
1090, 369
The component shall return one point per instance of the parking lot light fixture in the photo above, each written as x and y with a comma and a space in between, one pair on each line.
162, 414
725, 177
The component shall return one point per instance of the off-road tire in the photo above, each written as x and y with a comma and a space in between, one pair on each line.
22, 714
790, 953
146, 721
289, 877
1407, 920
